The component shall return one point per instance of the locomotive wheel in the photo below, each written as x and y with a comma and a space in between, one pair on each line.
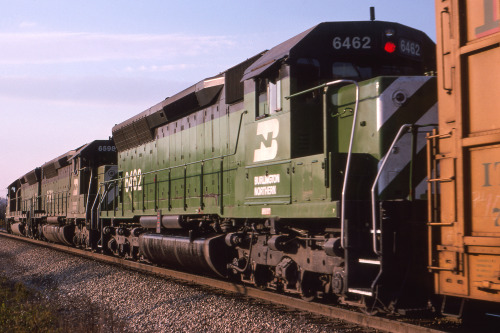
308, 289
262, 275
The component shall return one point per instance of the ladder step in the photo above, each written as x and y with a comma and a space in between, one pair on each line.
441, 136
440, 224
369, 261
442, 180
361, 291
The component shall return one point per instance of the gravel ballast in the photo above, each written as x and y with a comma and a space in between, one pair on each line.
143, 303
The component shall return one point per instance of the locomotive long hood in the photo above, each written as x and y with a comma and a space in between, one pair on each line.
50, 168
32, 177
139, 129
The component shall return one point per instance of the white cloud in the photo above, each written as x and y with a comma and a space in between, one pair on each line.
27, 24
68, 47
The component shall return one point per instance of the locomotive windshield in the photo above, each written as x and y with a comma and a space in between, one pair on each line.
308, 72
361, 71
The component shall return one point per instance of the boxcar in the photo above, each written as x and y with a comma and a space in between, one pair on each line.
464, 178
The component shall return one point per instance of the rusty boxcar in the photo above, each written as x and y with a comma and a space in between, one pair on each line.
464, 178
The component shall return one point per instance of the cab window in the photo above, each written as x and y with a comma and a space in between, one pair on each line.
268, 97
307, 116
274, 96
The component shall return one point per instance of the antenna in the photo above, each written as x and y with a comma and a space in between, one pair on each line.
372, 13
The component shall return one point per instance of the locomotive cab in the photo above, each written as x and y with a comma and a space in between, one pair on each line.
24, 204
302, 144
13, 210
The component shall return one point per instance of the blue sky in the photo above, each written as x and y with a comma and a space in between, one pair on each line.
70, 70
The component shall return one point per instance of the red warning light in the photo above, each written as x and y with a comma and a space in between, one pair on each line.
390, 47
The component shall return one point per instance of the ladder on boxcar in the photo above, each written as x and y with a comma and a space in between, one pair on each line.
434, 157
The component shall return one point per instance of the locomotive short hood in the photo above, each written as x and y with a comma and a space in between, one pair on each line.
306, 43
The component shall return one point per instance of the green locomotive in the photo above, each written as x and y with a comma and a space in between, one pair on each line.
53, 202
301, 169
266, 170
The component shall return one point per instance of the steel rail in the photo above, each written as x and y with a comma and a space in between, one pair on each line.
329, 311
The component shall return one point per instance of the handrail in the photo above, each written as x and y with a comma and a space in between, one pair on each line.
443, 53
347, 167
99, 213
88, 193
375, 182
93, 205
348, 163
191, 163
175, 167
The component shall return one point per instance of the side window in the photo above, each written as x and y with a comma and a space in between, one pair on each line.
261, 103
268, 97
274, 96
76, 165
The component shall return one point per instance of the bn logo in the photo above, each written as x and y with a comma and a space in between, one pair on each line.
267, 132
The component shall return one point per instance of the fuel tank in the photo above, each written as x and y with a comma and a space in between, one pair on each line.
167, 221
208, 255
57, 234
18, 228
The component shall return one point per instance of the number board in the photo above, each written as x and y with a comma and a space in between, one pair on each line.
405, 46
106, 148
346, 43
409, 48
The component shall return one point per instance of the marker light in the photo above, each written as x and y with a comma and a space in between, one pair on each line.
389, 32
390, 47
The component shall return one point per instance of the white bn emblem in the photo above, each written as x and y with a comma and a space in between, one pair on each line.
268, 146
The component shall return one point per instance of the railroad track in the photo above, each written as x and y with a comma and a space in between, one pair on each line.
328, 311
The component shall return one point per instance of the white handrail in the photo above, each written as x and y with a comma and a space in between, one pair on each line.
374, 186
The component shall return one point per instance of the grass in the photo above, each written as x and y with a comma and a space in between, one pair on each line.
21, 310
24, 310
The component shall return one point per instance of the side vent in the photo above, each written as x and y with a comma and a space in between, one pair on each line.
133, 134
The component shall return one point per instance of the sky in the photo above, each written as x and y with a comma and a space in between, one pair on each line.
71, 70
